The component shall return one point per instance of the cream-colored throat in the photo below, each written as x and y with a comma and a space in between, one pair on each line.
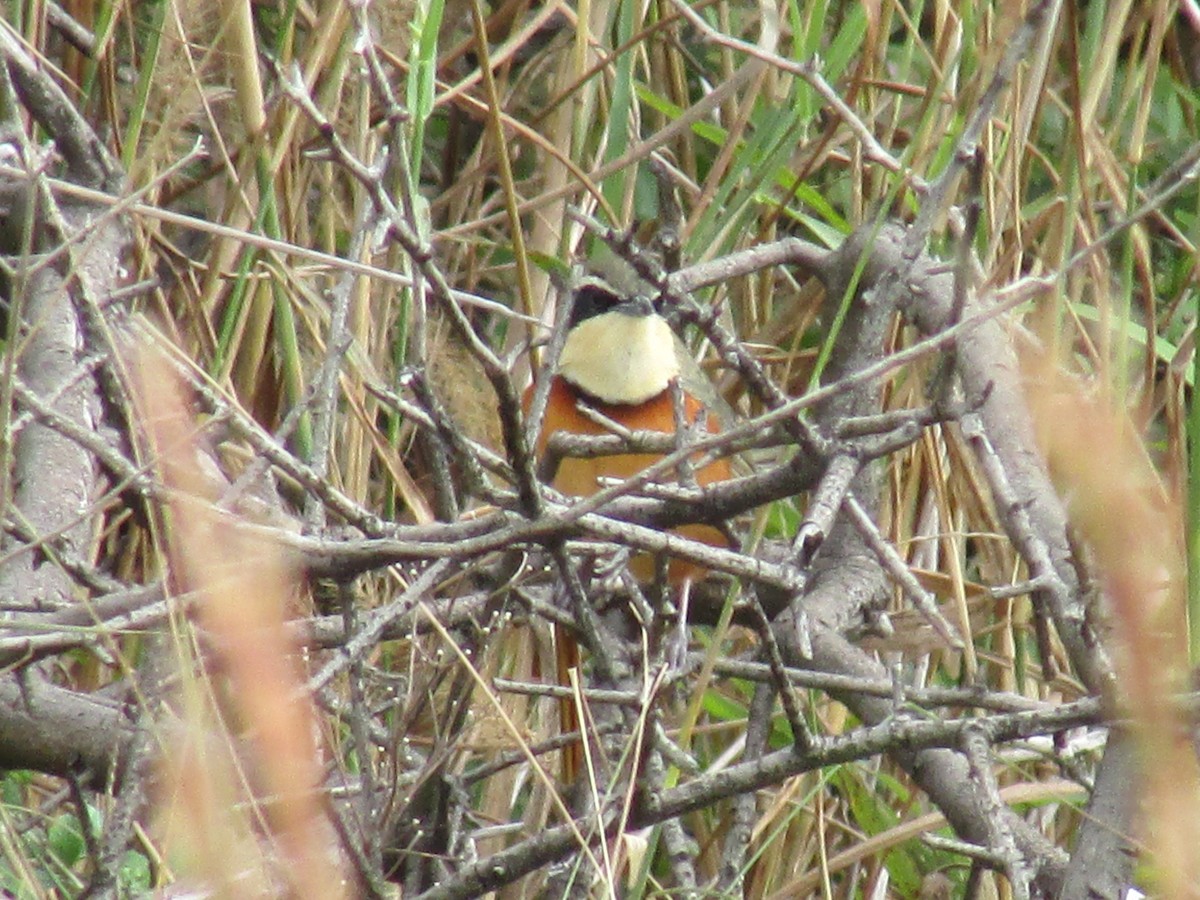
620, 359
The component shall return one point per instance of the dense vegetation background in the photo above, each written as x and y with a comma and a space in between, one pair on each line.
278, 579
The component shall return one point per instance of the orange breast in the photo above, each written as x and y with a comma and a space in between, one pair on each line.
582, 477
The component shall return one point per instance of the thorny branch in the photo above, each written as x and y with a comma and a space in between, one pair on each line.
465, 577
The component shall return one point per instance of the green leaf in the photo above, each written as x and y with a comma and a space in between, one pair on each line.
875, 812
65, 839
783, 518
134, 874
722, 708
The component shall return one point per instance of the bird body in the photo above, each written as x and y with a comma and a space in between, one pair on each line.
619, 362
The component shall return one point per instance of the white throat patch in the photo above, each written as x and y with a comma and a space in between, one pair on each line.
620, 359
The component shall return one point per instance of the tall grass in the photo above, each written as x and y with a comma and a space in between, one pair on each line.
493, 170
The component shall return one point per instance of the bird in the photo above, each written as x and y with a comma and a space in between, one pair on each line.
620, 362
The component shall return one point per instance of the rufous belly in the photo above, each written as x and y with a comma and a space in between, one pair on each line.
584, 477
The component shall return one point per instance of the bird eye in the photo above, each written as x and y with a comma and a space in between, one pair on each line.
592, 299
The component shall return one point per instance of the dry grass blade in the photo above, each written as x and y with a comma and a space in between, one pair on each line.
352, 223
223, 785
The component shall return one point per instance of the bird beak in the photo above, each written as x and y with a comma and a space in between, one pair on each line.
636, 306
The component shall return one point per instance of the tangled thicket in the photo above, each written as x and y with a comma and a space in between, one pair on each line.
279, 573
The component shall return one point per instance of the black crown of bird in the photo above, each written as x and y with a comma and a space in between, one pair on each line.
620, 359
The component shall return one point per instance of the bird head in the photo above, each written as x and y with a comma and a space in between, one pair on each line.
618, 349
